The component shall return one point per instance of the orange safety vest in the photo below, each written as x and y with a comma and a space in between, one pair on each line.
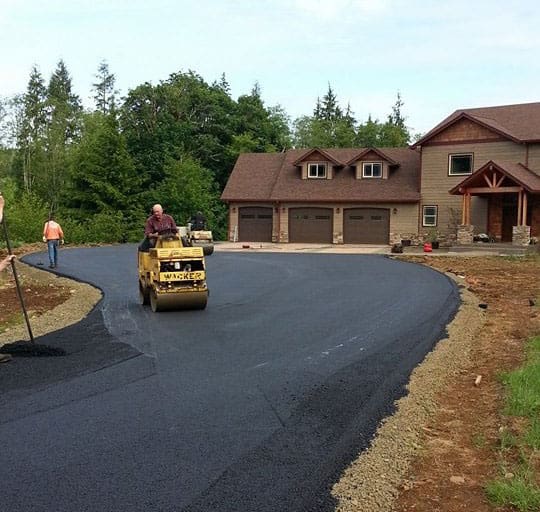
53, 231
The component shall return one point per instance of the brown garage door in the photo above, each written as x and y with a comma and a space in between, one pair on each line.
310, 225
366, 226
254, 224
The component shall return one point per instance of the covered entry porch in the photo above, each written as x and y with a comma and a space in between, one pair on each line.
513, 196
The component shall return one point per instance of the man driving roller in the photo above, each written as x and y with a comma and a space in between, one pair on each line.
158, 223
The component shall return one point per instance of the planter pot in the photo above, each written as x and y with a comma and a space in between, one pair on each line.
406, 243
435, 245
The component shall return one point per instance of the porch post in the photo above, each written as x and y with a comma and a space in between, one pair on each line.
468, 210
524, 214
463, 206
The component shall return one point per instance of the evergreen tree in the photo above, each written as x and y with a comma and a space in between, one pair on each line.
64, 112
32, 131
368, 134
394, 132
223, 85
105, 93
330, 109
396, 118
103, 176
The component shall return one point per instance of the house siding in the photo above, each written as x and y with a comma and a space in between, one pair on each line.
436, 182
534, 158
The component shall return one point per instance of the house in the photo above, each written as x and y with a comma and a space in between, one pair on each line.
481, 173
478, 171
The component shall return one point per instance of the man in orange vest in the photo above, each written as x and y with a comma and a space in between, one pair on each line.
53, 235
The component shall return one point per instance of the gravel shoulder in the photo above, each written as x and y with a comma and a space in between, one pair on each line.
373, 480
44, 289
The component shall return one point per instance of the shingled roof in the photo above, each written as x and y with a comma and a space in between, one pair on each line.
520, 123
276, 177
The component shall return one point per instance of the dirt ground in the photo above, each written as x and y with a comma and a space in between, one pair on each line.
439, 450
52, 302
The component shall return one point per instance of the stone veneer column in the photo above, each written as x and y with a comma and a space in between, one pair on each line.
521, 235
284, 224
233, 222
465, 234
337, 226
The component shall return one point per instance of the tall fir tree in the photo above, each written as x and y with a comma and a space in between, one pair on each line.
64, 114
32, 131
104, 91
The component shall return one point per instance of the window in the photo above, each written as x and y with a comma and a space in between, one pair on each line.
316, 170
460, 165
372, 170
429, 216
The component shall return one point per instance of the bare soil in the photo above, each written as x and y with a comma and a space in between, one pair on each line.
52, 302
440, 448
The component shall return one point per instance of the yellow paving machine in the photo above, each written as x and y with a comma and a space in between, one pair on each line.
198, 238
172, 275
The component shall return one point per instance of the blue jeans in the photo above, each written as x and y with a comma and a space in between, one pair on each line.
52, 249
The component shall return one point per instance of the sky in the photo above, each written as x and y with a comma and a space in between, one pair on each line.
440, 56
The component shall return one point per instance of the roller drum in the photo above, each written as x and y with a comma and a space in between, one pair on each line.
178, 301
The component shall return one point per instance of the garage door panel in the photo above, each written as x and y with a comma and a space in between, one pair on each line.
366, 226
310, 225
255, 224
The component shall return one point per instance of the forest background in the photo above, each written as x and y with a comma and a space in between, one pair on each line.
99, 170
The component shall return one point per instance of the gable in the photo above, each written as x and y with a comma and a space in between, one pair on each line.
315, 156
372, 156
464, 130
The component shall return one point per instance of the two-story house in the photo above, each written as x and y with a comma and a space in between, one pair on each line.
481, 170
478, 171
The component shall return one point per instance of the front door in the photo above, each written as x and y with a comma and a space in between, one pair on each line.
509, 216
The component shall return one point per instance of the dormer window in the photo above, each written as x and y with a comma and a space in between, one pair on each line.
316, 170
372, 170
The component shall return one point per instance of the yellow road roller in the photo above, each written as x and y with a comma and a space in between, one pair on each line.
172, 275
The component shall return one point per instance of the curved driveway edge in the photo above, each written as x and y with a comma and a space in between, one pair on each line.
258, 403
371, 482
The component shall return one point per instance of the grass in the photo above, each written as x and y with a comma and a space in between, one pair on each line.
518, 491
10, 321
519, 486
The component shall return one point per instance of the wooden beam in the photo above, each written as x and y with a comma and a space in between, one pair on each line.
520, 207
463, 209
524, 216
494, 178
493, 190
468, 210
498, 184
490, 184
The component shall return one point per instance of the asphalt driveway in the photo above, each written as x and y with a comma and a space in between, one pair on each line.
255, 404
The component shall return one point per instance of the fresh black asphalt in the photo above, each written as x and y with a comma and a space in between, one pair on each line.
255, 404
